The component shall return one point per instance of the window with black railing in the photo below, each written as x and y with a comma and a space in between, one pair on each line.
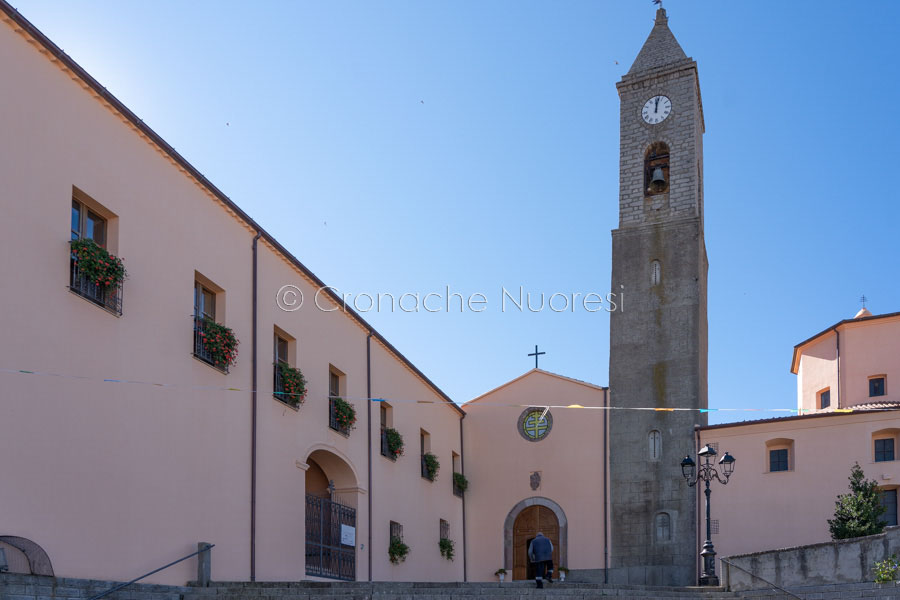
336, 419
202, 326
108, 296
385, 450
278, 386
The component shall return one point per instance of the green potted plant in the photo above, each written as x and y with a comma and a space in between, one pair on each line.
293, 385
219, 342
394, 442
886, 570
501, 573
447, 547
430, 465
460, 482
344, 414
397, 550
96, 264
563, 571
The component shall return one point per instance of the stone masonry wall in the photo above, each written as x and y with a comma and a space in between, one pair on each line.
830, 563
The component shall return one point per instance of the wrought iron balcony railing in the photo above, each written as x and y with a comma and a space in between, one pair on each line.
108, 297
385, 450
278, 389
200, 350
425, 472
332, 418
457, 491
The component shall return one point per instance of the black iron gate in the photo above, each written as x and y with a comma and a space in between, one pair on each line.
326, 554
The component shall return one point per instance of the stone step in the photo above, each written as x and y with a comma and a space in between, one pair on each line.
307, 590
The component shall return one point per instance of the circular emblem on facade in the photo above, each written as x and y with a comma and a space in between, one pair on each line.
532, 426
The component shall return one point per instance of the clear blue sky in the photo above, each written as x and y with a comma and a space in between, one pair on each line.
407, 146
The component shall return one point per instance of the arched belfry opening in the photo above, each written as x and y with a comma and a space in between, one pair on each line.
656, 169
332, 492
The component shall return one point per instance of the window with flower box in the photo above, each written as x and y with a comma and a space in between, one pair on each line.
289, 384
214, 343
95, 272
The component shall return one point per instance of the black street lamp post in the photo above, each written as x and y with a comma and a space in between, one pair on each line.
707, 473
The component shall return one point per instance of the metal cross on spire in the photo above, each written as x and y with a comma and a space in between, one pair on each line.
536, 354
863, 300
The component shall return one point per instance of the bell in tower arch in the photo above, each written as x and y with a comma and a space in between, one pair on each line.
656, 169
658, 181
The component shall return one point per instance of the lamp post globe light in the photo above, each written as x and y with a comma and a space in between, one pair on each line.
706, 473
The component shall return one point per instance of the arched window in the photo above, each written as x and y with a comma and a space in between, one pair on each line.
654, 438
656, 169
655, 273
663, 527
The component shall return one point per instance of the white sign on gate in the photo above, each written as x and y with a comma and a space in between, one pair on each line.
348, 535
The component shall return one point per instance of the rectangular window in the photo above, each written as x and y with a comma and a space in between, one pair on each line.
825, 399
889, 502
386, 422
334, 384
425, 448
876, 386
86, 224
884, 450
396, 530
204, 302
445, 530
206, 298
281, 350
778, 460
337, 384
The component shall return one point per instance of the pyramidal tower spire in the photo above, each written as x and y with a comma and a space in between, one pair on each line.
661, 47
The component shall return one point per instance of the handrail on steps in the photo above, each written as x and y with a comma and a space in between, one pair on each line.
751, 574
205, 548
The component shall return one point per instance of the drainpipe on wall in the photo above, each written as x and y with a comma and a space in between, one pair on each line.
605, 488
369, 427
837, 343
462, 470
253, 415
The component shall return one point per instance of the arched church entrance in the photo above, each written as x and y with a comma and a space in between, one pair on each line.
331, 501
523, 523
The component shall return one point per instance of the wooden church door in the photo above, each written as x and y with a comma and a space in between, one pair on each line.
529, 522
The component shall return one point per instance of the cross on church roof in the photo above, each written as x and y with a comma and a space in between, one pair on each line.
536, 354
863, 300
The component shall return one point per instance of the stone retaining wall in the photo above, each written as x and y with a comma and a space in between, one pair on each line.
844, 561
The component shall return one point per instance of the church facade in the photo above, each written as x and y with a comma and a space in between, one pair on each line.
131, 432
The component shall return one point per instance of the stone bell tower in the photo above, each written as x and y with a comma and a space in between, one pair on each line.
658, 341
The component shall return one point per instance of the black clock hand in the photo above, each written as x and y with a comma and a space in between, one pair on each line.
656, 108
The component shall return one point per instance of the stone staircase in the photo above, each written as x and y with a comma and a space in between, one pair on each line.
32, 587
519, 590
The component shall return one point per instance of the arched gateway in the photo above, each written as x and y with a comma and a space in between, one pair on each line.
331, 501
523, 523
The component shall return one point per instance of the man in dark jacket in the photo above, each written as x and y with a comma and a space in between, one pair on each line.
540, 552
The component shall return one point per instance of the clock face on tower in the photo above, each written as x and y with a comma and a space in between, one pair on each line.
656, 109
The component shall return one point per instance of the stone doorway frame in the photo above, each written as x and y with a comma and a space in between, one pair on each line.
511, 521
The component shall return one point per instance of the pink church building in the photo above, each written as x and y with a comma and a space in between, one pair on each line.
130, 432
